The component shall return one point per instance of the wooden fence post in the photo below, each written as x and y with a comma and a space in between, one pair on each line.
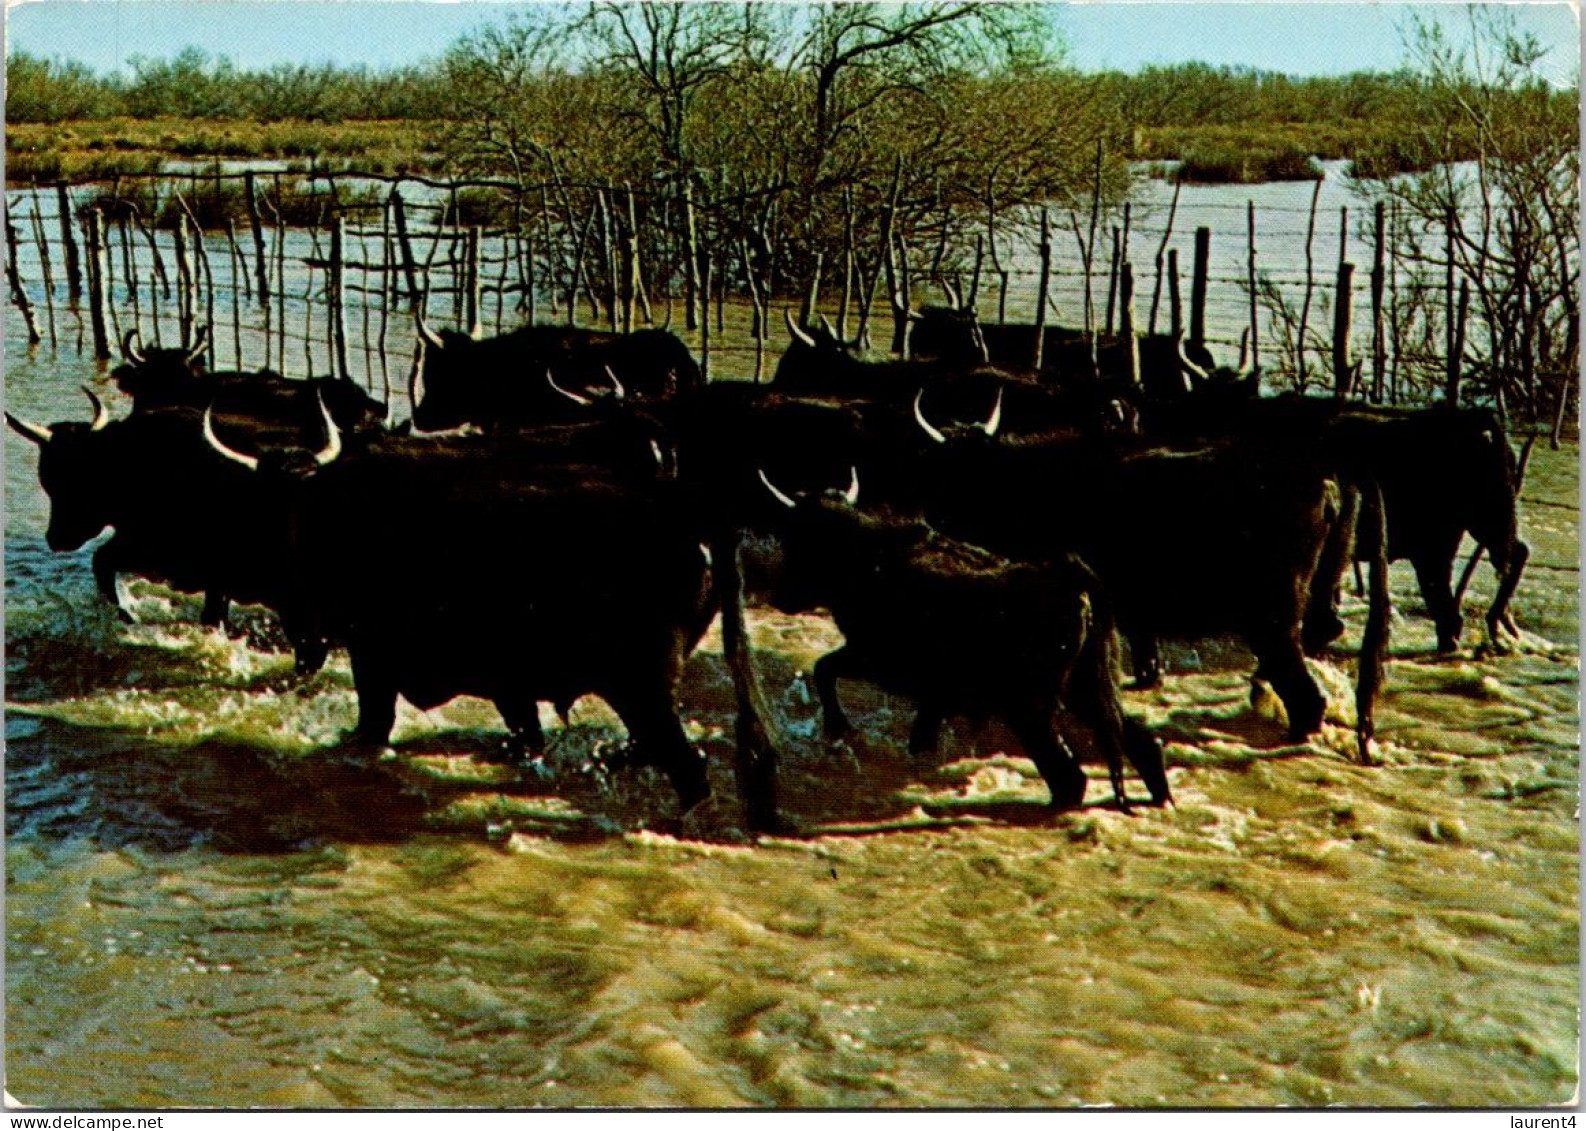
1343, 307
74, 276
96, 285
44, 265
696, 307
1203, 251
471, 281
1040, 294
1379, 346
1456, 353
1175, 305
974, 275
1112, 281
704, 320
1448, 304
239, 279
399, 220
261, 259
335, 297
1161, 251
1250, 281
1131, 344
18, 294
1305, 305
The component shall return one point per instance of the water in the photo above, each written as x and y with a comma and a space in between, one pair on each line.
208, 903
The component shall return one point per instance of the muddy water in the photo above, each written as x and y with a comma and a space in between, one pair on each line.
208, 903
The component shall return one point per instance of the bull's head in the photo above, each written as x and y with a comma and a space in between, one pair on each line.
850, 497
73, 466
988, 428
158, 373
617, 391
324, 457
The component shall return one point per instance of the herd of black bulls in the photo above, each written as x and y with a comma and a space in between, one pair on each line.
568, 509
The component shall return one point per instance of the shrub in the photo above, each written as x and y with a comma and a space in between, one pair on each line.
130, 200
1246, 167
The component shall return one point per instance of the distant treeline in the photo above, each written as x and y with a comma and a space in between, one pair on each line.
191, 84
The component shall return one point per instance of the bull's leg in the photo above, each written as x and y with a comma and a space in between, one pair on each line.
658, 739
1144, 752
1434, 572
377, 696
216, 611
1323, 625
525, 738
1282, 664
1057, 765
1091, 697
828, 669
1498, 612
1145, 659
310, 648
925, 733
111, 586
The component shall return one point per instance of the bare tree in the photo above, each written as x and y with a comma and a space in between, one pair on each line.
1507, 214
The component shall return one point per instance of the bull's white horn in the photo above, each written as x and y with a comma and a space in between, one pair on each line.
919, 416
827, 328
954, 299
38, 433
851, 496
130, 351
1244, 352
616, 385
200, 344
429, 336
250, 462
785, 500
995, 419
101, 413
332, 447
574, 397
798, 332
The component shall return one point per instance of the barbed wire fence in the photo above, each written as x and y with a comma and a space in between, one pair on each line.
324, 274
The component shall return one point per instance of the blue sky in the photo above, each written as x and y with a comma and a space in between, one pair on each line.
1306, 37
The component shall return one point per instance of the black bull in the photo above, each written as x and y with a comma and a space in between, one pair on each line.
963, 632
453, 576
176, 378
500, 382
1226, 539
1443, 472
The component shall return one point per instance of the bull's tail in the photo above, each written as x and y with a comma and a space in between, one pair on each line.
1373, 532
756, 735
1465, 576
1091, 696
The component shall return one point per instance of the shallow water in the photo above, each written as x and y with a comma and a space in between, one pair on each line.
209, 903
